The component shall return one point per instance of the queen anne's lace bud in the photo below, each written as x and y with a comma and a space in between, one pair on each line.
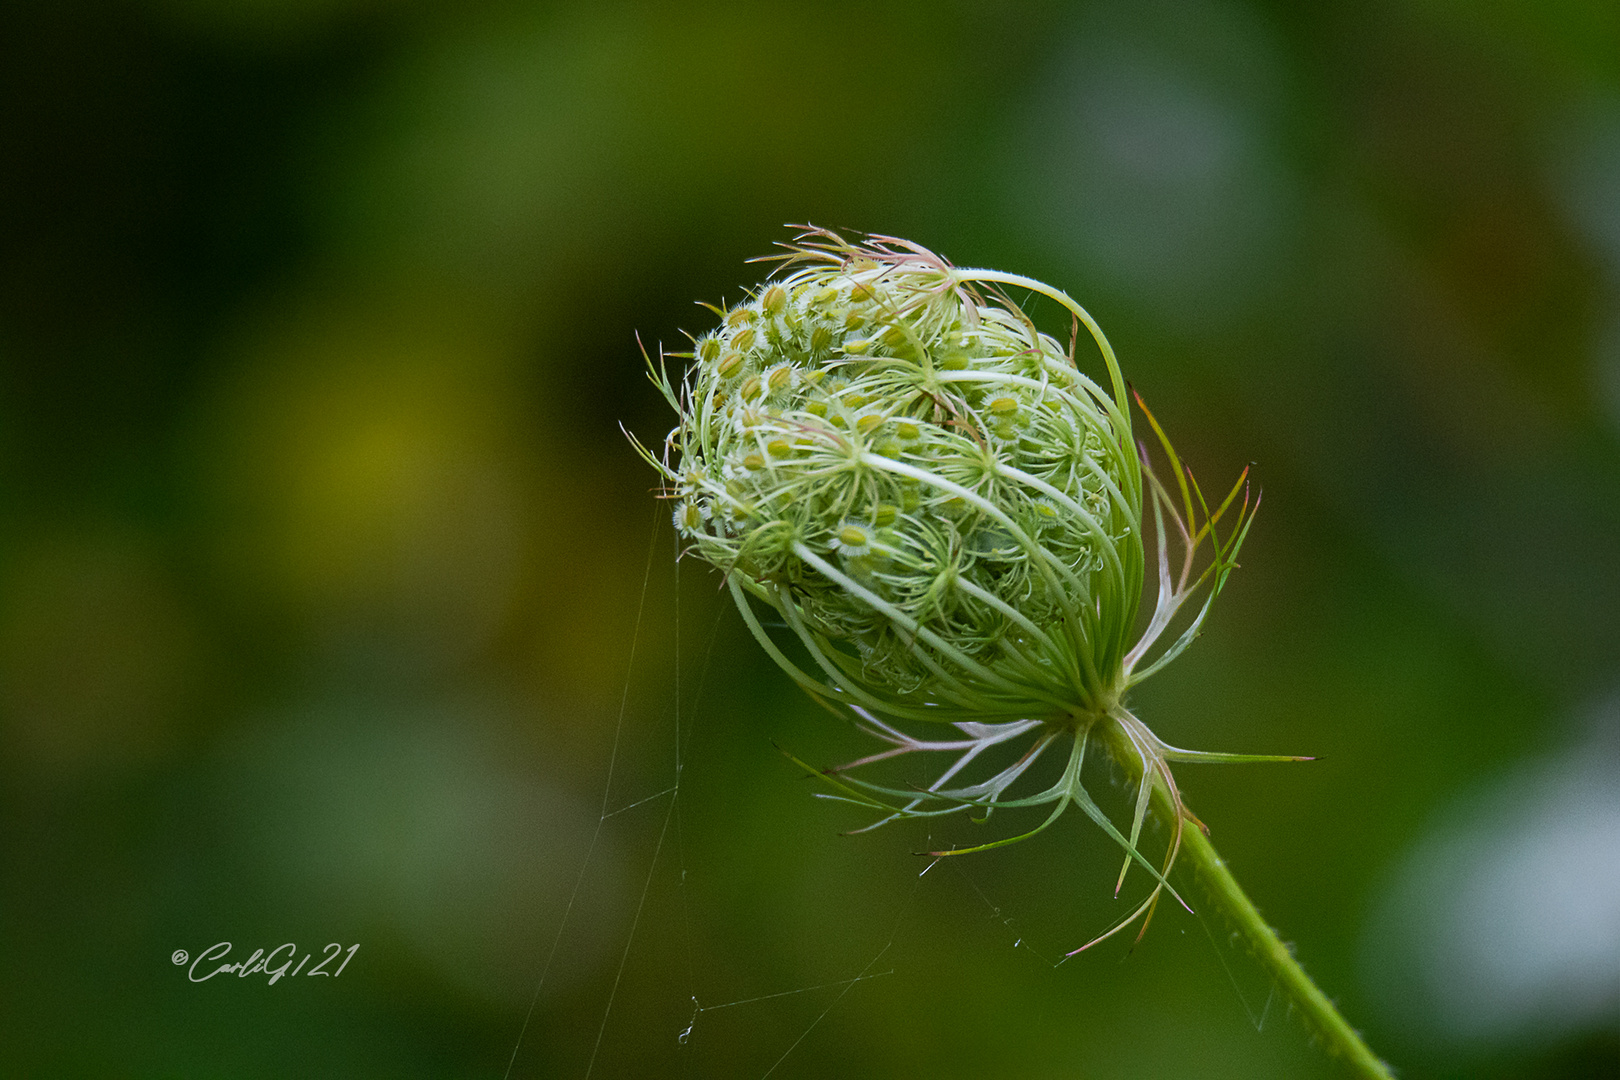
948, 516
946, 512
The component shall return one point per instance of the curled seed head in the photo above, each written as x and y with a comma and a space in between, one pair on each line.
944, 510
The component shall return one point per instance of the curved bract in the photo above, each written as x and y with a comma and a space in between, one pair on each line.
944, 510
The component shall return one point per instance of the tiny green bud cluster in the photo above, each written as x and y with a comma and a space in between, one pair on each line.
947, 515
942, 507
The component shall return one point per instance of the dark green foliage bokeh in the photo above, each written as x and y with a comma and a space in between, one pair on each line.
331, 593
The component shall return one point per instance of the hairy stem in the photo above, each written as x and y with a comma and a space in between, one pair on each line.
1319, 1011
1330, 1025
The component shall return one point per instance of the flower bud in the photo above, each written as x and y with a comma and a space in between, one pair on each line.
958, 528
947, 515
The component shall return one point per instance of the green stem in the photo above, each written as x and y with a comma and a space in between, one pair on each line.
1330, 1025
1320, 1013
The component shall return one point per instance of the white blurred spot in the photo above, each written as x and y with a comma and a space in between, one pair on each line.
1503, 925
1586, 175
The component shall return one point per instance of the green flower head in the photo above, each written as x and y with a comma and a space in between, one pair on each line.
948, 518
943, 509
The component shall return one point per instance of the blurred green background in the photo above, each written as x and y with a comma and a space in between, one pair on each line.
334, 606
